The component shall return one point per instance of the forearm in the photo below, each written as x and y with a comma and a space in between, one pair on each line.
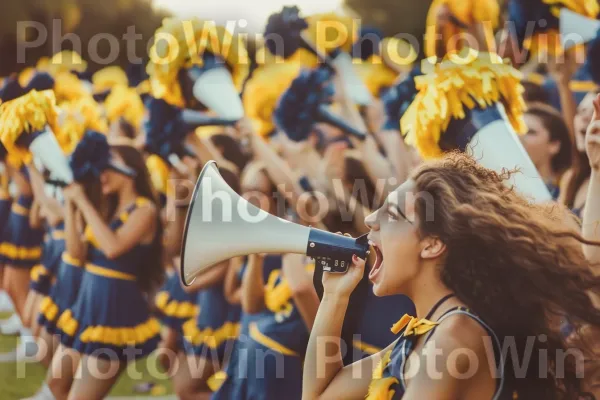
253, 291
591, 220
378, 167
73, 242
567, 105
397, 154
278, 170
323, 355
106, 238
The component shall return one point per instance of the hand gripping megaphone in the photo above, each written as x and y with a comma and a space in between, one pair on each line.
221, 225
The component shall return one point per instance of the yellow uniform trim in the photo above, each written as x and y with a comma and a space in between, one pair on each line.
58, 235
139, 202
365, 348
583, 86
122, 336
535, 78
20, 210
48, 309
173, 308
67, 323
279, 294
20, 253
68, 259
380, 387
216, 380
210, 337
266, 341
38, 271
108, 273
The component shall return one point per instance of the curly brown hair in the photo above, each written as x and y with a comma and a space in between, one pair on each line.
519, 266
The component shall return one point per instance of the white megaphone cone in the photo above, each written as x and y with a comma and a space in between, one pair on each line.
214, 87
44, 147
355, 87
487, 136
221, 225
576, 28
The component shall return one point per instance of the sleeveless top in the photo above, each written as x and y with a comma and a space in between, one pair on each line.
388, 377
129, 265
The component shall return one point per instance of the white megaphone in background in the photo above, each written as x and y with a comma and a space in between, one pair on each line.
44, 146
356, 88
489, 138
576, 28
221, 225
214, 87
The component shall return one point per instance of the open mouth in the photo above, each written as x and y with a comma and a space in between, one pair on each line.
378, 261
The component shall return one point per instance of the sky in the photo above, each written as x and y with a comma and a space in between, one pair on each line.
254, 12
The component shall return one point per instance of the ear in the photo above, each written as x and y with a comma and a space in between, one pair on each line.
432, 247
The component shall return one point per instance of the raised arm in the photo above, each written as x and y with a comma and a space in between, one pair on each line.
75, 244
303, 291
253, 286
591, 212
139, 227
325, 376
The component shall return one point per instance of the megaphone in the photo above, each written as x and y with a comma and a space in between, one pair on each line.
488, 137
576, 28
221, 225
214, 87
45, 148
356, 88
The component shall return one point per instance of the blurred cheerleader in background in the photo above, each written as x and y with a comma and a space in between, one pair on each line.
110, 323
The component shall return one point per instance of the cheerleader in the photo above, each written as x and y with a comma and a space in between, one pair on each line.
548, 144
21, 251
110, 323
453, 265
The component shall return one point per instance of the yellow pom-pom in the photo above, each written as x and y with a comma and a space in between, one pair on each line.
263, 91
180, 44
66, 61
26, 75
125, 102
159, 173
468, 12
109, 77
460, 81
375, 74
26, 114
68, 88
75, 118
330, 31
588, 8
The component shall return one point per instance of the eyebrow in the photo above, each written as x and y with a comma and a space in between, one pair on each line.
397, 208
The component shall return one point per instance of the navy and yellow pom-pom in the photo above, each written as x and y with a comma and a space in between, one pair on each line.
287, 25
298, 107
165, 129
91, 156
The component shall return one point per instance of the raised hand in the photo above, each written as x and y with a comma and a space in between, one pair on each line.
592, 138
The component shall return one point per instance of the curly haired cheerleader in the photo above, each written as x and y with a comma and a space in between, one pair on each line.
490, 275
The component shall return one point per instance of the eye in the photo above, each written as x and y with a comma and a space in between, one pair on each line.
392, 215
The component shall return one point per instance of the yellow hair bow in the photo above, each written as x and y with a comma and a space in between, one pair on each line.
414, 326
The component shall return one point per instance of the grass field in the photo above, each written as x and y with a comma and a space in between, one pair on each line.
20, 380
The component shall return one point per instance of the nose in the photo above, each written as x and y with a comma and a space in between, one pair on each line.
371, 221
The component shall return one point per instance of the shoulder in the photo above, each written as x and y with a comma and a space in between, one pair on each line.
146, 207
462, 334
